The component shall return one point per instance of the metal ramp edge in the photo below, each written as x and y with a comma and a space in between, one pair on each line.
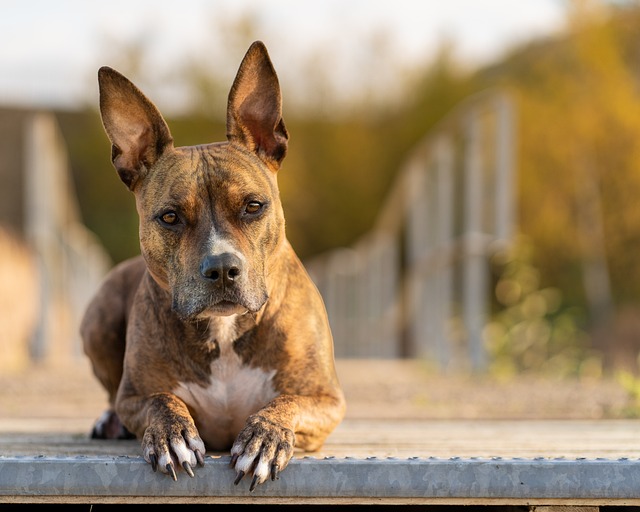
327, 480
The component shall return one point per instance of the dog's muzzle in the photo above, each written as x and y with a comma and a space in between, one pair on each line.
222, 287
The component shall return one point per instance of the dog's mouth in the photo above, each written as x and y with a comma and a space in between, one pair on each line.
226, 308
197, 303
219, 308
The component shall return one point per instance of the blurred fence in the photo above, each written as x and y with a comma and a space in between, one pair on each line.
62, 262
418, 284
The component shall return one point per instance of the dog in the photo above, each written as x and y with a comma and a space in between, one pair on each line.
214, 337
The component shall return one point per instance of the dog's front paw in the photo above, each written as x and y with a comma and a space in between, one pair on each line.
173, 445
263, 449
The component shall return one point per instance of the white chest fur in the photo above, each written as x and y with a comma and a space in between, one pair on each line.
234, 392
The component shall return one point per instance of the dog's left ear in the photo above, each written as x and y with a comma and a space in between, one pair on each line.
254, 110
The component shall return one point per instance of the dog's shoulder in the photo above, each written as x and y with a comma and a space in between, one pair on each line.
113, 301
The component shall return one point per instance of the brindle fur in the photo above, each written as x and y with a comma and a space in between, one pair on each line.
155, 331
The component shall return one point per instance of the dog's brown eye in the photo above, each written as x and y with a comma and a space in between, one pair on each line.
253, 207
169, 218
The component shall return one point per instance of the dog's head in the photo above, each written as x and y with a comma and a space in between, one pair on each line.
211, 219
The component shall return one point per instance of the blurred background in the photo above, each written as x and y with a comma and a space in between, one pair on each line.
463, 180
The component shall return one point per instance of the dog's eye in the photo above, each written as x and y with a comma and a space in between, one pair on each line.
169, 218
253, 207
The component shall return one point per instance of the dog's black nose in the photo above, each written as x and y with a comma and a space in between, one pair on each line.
225, 267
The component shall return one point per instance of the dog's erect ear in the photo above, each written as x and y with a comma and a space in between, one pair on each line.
254, 111
135, 127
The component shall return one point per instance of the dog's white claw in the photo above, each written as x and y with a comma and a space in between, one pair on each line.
171, 472
163, 461
260, 473
151, 458
275, 471
188, 469
184, 453
236, 450
197, 447
187, 456
244, 464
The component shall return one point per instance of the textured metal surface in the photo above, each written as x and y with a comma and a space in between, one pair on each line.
419, 478
441, 462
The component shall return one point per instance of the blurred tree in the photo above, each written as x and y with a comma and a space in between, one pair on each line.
579, 116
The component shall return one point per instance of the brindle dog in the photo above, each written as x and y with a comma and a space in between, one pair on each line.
215, 338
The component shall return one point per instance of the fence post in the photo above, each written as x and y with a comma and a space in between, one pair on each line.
443, 289
505, 177
474, 294
415, 279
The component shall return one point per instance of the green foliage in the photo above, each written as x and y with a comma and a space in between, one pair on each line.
631, 384
534, 329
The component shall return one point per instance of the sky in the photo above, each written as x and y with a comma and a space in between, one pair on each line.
50, 50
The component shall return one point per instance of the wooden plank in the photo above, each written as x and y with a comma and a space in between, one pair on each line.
402, 419
568, 439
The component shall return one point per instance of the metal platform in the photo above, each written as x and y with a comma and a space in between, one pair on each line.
592, 463
328, 480
410, 437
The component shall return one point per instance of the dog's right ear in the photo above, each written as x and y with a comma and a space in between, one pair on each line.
135, 127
